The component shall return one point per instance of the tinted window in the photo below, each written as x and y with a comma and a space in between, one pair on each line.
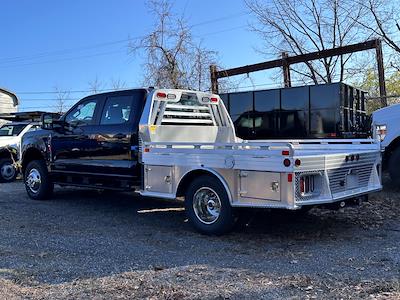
82, 114
11, 130
117, 110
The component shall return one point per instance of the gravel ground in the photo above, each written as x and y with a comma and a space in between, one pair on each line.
82, 244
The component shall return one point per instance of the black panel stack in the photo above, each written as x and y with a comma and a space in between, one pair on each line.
332, 110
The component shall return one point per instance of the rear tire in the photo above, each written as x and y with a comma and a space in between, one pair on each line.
207, 206
37, 180
394, 166
8, 172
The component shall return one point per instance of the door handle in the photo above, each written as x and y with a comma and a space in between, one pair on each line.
119, 136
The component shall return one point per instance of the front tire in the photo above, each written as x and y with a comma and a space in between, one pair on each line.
37, 180
8, 172
207, 206
394, 166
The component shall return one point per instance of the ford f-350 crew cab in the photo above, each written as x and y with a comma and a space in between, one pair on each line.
182, 144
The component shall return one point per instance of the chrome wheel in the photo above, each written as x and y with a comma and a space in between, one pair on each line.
33, 181
7, 171
206, 205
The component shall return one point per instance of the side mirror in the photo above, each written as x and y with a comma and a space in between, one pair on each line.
47, 121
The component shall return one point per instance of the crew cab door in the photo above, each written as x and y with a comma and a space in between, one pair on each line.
117, 134
73, 147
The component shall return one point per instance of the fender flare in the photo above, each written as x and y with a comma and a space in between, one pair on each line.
205, 171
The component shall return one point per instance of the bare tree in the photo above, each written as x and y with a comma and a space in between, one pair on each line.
174, 59
382, 20
61, 98
95, 86
118, 84
301, 26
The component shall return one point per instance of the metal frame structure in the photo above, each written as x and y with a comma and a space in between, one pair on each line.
286, 61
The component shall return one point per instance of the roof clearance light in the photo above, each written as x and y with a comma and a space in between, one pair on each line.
171, 96
214, 100
161, 95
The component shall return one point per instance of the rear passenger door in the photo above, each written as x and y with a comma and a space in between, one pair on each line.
117, 134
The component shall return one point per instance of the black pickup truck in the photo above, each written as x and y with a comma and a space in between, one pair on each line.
94, 144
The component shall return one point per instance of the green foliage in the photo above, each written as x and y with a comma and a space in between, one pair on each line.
370, 84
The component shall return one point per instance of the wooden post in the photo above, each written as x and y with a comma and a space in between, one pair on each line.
214, 79
286, 70
381, 73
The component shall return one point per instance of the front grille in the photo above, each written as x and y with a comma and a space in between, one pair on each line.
338, 177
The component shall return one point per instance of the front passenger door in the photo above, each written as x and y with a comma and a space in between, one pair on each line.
72, 148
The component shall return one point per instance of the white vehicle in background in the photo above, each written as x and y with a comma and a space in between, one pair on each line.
11, 134
10, 143
386, 128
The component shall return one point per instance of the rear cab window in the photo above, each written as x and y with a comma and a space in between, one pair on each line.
123, 108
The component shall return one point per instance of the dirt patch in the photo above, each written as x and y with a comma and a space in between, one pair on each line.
82, 244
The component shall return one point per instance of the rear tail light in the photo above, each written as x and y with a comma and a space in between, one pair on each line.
290, 177
286, 162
